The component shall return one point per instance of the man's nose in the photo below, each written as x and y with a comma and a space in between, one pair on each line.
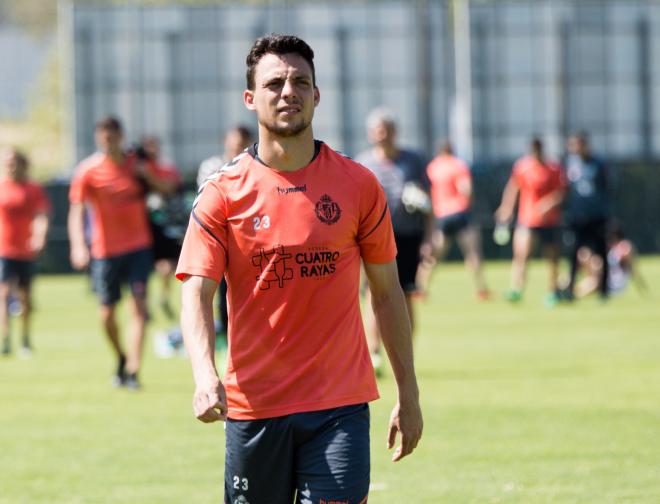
288, 89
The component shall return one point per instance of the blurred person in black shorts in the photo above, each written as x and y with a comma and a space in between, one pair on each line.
24, 209
451, 197
166, 228
402, 173
236, 140
108, 195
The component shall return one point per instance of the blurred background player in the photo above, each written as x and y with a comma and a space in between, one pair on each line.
24, 209
236, 140
587, 207
622, 266
167, 237
451, 195
401, 172
541, 186
113, 185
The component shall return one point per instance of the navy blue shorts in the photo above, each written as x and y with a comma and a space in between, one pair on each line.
408, 259
451, 225
110, 273
315, 457
16, 269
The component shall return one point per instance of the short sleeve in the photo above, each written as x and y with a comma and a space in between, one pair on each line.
464, 172
165, 171
375, 233
78, 188
204, 251
560, 175
42, 202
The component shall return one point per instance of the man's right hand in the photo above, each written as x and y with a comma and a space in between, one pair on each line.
79, 257
210, 402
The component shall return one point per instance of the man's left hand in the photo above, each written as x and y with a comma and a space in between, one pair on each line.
405, 419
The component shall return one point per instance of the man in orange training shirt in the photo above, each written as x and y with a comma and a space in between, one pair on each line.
111, 185
24, 211
451, 197
287, 223
541, 186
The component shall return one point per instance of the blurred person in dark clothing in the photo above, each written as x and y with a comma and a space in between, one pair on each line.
167, 242
587, 208
402, 173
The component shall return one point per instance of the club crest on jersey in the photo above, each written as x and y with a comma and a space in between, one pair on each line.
327, 211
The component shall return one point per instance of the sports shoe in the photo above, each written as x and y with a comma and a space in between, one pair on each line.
131, 382
551, 299
513, 296
15, 307
119, 378
483, 294
26, 351
6, 346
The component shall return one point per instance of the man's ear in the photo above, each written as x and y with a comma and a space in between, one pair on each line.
248, 99
317, 96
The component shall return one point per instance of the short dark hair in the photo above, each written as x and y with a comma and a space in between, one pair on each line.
21, 159
109, 123
277, 44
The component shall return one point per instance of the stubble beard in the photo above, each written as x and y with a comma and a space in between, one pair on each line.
288, 131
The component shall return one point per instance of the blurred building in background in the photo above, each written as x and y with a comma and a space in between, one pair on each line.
543, 66
24, 56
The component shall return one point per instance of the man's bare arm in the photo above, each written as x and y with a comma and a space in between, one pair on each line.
509, 197
391, 314
76, 227
40, 225
209, 401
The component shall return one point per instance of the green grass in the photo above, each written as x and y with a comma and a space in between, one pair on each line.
521, 403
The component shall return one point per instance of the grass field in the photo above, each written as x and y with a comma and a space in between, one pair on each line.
522, 404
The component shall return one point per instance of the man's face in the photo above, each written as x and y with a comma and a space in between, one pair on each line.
284, 96
382, 134
107, 140
12, 167
152, 146
578, 146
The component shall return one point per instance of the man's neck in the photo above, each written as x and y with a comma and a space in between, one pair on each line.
117, 156
386, 151
286, 153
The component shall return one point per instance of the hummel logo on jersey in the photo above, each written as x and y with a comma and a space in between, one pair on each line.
327, 211
290, 190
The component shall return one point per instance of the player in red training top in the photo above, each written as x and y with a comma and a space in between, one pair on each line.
451, 197
540, 184
287, 223
24, 210
112, 185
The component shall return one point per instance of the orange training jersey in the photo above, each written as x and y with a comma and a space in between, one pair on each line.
446, 173
535, 181
116, 200
20, 203
289, 244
